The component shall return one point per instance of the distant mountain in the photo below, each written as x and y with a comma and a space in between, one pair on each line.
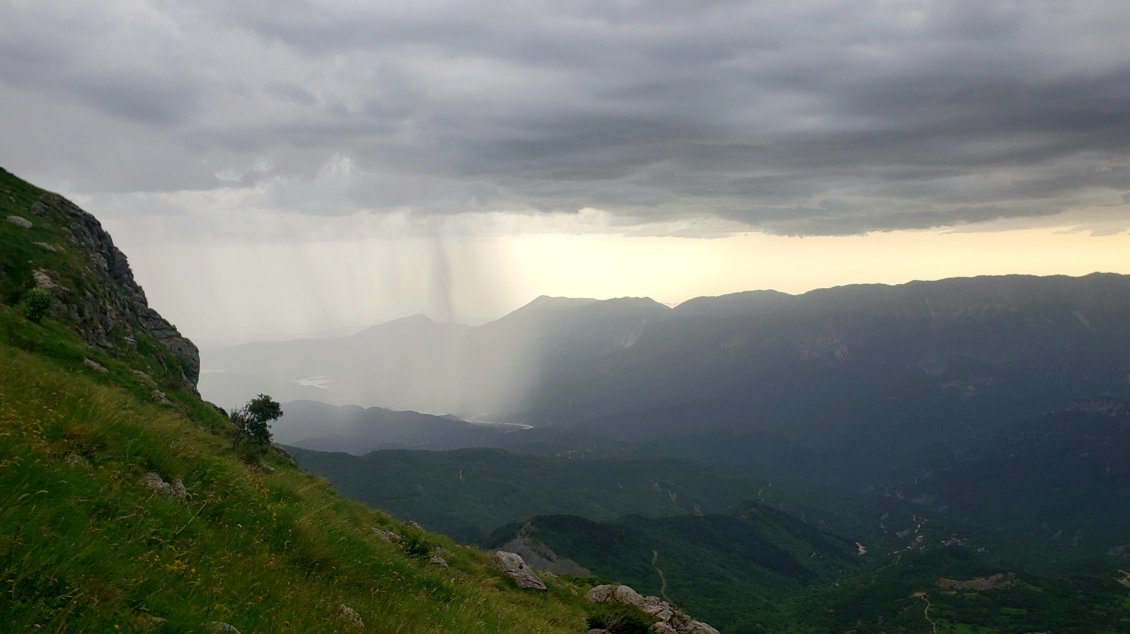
869, 371
418, 364
356, 430
399, 365
741, 304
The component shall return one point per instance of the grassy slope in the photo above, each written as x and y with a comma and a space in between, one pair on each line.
85, 546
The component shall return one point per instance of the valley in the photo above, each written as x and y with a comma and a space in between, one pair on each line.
960, 428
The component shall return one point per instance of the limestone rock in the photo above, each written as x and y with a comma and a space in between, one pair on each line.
669, 620
512, 564
388, 536
349, 615
76, 460
46, 247
600, 594
20, 221
179, 492
157, 484
437, 562
110, 300
216, 627
94, 365
160, 398
43, 280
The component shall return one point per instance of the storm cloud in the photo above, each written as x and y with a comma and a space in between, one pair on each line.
800, 118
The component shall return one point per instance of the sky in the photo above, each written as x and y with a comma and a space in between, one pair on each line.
281, 168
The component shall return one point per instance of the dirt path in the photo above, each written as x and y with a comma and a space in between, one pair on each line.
662, 579
926, 611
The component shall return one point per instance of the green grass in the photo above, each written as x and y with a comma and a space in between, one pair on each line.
85, 546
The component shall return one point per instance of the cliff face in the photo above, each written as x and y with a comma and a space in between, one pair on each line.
94, 291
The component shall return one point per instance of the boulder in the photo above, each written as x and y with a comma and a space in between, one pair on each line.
157, 484
350, 616
512, 565
20, 221
94, 365
388, 536
669, 620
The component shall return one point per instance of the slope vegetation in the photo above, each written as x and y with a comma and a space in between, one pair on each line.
124, 507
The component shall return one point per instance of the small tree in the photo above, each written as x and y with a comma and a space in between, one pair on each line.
36, 303
253, 421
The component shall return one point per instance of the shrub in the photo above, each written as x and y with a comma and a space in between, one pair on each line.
253, 421
36, 303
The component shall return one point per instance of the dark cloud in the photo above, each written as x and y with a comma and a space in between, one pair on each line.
816, 117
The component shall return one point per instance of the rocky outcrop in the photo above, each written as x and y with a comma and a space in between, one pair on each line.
539, 556
175, 491
350, 616
102, 301
668, 619
512, 565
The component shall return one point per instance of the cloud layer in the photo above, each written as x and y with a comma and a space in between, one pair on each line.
813, 117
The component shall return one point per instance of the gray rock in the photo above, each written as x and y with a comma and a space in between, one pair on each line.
76, 460
20, 221
94, 365
160, 398
625, 594
349, 615
46, 247
600, 594
670, 620
118, 304
437, 562
388, 536
698, 627
217, 627
179, 492
44, 281
157, 484
512, 564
